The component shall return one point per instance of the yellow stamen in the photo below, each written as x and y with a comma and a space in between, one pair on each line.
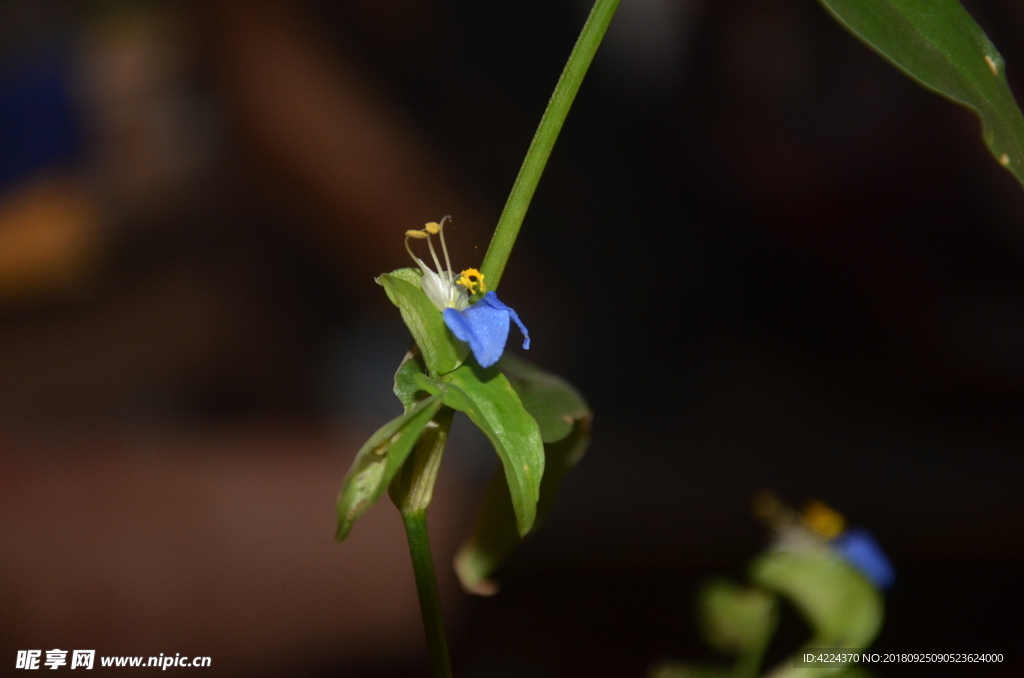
472, 279
418, 235
433, 228
823, 519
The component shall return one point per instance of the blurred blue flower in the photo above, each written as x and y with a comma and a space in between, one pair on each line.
860, 549
484, 326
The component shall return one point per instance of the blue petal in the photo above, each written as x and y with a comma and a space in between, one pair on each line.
860, 549
492, 299
484, 326
481, 326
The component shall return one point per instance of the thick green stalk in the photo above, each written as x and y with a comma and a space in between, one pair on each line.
411, 491
426, 587
544, 140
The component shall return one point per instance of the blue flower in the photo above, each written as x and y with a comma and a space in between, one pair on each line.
484, 326
860, 549
857, 547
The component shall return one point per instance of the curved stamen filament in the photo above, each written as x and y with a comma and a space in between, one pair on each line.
443, 288
430, 244
444, 248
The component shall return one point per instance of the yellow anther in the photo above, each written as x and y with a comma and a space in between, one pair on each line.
472, 280
823, 519
419, 235
432, 227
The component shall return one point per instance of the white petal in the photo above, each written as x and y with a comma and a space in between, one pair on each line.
435, 288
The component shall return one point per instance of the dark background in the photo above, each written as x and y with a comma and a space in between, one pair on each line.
766, 257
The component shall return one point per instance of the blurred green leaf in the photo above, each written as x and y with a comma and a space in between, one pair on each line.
736, 620
551, 400
406, 387
937, 43
379, 460
494, 535
840, 605
491, 403
441, 351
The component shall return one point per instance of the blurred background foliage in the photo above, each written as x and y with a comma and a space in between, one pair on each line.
756, 242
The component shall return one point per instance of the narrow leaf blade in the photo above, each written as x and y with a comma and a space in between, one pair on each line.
495, 535
564, 419
442, 353
379, 460
937, 43
491, 403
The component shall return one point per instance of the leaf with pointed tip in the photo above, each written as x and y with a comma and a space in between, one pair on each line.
494, 535
442, 352
564, 420
937, 43
379, 460
491, 403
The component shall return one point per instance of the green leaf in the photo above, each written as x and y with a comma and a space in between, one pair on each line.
551, 400
841, 606
937, 43
494, 535
492, 404
406, 388
379, 460
737, 621
564, 420
734, 619
442, 352
413, 276
412, 488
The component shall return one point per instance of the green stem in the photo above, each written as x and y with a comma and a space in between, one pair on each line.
426, 586
550, 125
411, 491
